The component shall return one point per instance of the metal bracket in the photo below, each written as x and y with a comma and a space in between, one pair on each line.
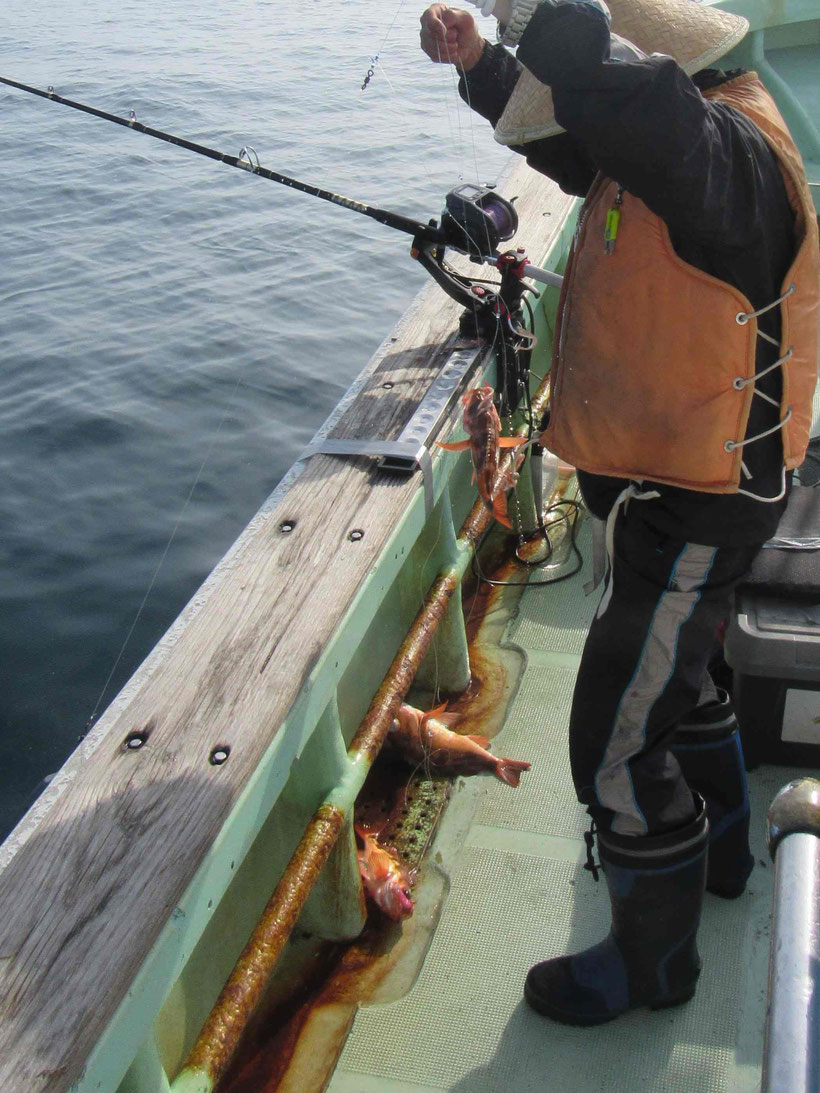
407, 456
436, 403
408, 452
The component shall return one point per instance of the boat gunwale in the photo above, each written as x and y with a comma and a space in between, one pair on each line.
49, 889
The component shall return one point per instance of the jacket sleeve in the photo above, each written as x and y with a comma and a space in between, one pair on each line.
486, 89
697, 164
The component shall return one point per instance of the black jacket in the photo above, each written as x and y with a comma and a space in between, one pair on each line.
705, 169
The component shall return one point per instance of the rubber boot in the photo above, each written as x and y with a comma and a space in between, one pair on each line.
707, 747
650, 957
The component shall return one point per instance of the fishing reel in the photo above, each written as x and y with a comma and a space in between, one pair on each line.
476, 219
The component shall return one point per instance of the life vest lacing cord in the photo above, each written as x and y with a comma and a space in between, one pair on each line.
743, 317
739, 382
769, 500
730, 445
768, 338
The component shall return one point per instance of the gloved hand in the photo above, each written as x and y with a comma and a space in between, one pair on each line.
450, 36
501, 9
512, 15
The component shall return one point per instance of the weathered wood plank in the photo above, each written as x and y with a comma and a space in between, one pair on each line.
85, 897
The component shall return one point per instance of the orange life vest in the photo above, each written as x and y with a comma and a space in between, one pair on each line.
654, 360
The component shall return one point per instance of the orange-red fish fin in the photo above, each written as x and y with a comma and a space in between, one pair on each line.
448, 719
509, 770
438, 714
511, 441
460, 446
500, 510
436, 711
482, 741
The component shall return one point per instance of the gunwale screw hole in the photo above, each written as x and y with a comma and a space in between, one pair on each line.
219, 755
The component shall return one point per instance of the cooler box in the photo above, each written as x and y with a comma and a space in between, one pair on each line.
773, 642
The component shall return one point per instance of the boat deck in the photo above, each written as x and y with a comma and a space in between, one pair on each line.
519, 894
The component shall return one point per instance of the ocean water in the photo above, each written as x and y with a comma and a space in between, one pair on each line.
173, 331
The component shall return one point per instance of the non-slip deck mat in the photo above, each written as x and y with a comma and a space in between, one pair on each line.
555, 617
536, 730
463, 1026
519, 894
517, 898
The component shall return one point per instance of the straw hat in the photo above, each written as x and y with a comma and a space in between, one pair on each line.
695, 34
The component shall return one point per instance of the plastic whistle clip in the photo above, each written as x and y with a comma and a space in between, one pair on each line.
613, 219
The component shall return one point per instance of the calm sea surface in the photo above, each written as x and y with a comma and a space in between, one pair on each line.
172, 331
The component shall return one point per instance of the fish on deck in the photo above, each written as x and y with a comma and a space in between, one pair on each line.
384, 879
483, 427
425, 737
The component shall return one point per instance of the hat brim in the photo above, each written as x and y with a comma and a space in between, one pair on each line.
695, 34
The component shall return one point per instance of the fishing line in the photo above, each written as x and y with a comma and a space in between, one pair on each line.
430, 235
471, 126
457, 138
164, 554
424, 766
375, 60
433, 644
466, 205
247, 160
436, 695
384, 73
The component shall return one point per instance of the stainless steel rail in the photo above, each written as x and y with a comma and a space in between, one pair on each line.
791, 1063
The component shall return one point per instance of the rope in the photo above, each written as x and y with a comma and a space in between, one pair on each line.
743, 317
740, 382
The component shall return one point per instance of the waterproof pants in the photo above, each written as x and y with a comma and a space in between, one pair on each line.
644, 669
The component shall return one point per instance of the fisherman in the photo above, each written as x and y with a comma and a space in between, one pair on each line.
682, 386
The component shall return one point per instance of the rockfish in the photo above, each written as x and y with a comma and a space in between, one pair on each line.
424, 737
483, 427
387, 884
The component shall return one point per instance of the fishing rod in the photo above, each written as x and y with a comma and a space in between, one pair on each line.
245, 160
475, 221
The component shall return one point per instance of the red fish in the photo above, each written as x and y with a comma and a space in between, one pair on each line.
483, 427
424, 737
387, 884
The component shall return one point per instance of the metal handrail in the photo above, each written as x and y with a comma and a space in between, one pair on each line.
791, 1063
